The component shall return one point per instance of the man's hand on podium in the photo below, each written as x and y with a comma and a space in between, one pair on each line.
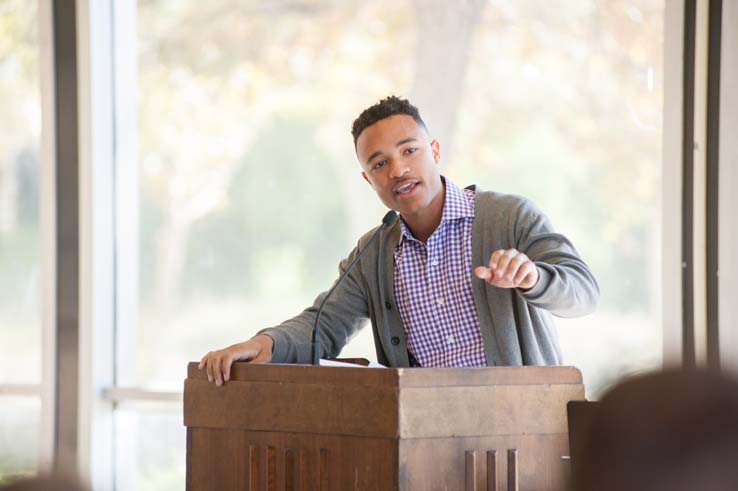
218, 363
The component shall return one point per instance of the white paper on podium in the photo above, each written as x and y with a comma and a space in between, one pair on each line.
333, 363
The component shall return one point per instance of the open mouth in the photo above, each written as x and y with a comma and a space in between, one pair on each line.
407, 188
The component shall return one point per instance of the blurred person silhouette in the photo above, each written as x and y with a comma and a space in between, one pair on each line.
675, 430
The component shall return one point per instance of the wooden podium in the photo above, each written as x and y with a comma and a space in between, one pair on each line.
298, 427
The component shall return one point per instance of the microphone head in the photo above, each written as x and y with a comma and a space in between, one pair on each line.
390, 218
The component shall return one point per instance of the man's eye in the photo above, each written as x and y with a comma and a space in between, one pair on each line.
411, 150
379, 164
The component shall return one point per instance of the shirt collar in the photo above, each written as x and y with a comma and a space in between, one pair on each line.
456, 204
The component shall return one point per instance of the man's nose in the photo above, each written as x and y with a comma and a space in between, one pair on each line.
398, 168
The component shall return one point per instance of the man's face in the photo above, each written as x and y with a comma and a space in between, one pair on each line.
401, 164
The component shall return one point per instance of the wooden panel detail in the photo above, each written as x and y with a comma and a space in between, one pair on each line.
291, 470
540, 470
471, 471
323, 469
271, 469
492, 410
492, 471
332, 409
235, 460
512, 470
254, 468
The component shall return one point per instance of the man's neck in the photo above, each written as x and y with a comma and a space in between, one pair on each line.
426, 222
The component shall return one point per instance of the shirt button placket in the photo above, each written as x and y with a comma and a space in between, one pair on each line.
433, 284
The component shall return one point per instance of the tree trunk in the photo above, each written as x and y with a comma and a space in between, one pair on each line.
445, 31
170, 254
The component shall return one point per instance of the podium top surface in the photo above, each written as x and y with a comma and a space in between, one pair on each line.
397, 377
400, 403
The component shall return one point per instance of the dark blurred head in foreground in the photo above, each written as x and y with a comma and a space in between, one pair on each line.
675, 431
46, 483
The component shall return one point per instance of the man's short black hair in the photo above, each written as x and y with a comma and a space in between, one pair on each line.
389, 106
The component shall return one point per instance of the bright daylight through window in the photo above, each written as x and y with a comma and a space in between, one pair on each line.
20, 263
250, 192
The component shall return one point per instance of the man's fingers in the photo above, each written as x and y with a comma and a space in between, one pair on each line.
202, 362
503, 261
483, 273
218, 370
524, 270
227, 360
209, 367
495, 258
513, 267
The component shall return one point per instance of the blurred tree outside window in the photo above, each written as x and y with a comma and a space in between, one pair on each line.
20, 292
250, 192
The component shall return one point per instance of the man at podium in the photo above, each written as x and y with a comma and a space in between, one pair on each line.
466, 277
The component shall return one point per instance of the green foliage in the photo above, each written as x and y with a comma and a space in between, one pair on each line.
12, 475
19, 431
285, 196
19, 268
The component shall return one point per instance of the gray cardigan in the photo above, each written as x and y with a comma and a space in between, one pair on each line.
516, 325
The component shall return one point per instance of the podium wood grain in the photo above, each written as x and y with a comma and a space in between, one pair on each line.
294, 427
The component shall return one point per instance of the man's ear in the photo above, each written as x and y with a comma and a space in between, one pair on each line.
436, 147
366, 178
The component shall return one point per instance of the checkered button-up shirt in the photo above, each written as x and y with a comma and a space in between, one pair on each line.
433, 288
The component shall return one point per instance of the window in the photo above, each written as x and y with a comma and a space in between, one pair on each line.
248, 191
563, 104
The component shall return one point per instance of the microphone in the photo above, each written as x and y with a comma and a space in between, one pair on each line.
389, 219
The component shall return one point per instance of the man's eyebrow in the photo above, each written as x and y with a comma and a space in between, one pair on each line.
371, 157
398, 144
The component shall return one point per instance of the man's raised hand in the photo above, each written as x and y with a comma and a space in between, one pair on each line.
509, 268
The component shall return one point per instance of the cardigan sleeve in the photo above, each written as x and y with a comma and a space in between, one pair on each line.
566, 287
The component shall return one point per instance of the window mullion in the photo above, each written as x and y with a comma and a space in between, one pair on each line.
96, 211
